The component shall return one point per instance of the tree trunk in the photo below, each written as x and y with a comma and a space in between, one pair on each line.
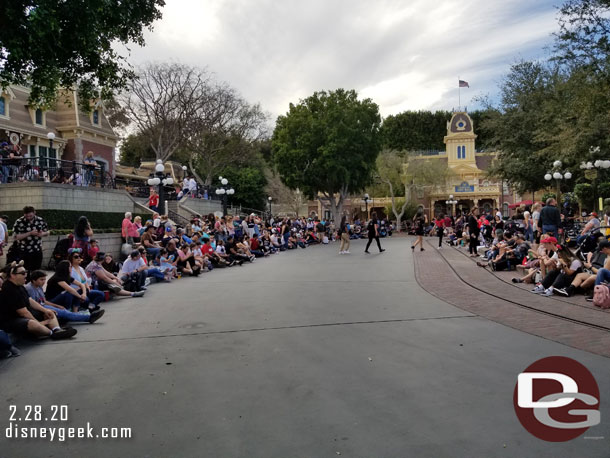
336, 206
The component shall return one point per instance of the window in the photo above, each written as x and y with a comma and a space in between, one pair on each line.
96, 117
461, 152
2, 106
38, 117
505, 209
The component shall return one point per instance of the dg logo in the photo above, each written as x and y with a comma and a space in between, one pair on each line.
557, 399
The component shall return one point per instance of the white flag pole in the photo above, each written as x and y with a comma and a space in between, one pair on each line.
459, 95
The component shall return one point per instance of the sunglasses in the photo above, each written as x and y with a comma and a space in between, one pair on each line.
76, 257
23, 272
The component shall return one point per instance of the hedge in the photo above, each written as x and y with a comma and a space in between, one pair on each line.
65, 220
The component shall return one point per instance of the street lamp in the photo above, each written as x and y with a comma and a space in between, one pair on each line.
558, 176
451, 202
161, 179
270, 199
366, 199
591, 169
183, 172
223, 193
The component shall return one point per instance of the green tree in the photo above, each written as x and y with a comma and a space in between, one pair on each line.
53, 44
390, 170
426, 175
249, 184
327, 146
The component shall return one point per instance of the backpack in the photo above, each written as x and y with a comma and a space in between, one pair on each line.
601, 296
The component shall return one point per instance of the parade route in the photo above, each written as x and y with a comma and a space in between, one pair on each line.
307, 354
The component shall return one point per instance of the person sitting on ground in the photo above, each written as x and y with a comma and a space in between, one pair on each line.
568, 267
149, 243
133, 272
60, 290
106, 281
235, 254
167, 265
208, 250
186, 261
256, 247
83, 283
21, 314
35, 290
81, 237
586, 280
110, 265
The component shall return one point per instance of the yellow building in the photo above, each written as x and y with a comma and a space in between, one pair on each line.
467, 184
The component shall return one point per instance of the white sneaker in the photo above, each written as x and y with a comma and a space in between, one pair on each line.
548, 292
147, 281
538, 289
346, 252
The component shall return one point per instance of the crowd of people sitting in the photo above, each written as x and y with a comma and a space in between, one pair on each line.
156, 251
553, 261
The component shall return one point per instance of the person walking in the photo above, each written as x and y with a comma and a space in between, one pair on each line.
474, 231
373, 230
439, 224
344, 235
420, 220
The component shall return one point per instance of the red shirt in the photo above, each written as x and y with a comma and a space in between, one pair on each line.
254, 244
207, 249
153, 200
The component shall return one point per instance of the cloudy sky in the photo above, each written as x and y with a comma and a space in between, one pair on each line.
404, 54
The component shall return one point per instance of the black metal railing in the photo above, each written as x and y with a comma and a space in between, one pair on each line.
50, 170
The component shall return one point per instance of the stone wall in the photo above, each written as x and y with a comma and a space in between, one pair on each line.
201, 206
51, 196
108, 243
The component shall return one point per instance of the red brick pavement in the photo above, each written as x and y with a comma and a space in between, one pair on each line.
506, 304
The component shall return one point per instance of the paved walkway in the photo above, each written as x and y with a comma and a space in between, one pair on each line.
306, 354
480, 291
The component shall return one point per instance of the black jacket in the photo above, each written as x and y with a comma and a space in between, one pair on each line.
550, 216
473, 225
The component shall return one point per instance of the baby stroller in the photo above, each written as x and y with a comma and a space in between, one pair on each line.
590, 242
60, 252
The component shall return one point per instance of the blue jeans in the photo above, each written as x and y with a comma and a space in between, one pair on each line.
64, 299
550, 228
156, 273
153, 252
529, 234
603, 275
66, 315
5, 341
5, 172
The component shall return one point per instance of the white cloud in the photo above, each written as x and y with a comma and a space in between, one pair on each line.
404, 55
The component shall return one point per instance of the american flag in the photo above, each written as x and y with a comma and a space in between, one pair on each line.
463, 83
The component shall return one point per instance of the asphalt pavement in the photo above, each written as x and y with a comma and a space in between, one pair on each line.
304, 354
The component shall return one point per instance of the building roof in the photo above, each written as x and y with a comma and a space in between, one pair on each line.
484, 160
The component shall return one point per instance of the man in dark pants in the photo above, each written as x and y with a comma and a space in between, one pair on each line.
28, 231
550, 218
474, 231
373, 230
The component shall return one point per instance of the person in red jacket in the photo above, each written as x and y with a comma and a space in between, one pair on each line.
153, 201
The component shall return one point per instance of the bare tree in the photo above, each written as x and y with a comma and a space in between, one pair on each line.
223, 131
163, 101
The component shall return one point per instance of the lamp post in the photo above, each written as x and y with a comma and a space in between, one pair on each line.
366, 199
161, 179
591, 170
270, 199
183, 172
451, 202
223, 192
558, 176
51, 137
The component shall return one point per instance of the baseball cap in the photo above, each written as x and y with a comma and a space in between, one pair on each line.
134, 254
552, 240
100, 255
593, 214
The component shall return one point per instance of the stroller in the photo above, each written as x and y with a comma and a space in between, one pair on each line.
60, 252
589, 243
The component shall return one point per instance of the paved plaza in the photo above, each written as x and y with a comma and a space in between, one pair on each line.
306, 354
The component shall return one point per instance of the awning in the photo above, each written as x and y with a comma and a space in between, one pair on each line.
522, 203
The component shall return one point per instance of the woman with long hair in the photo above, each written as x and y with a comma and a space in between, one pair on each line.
83, 283
82, 235
420, 220
373, 232
344, 234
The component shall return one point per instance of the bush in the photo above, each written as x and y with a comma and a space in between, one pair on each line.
584, 194
65, 220
603, 190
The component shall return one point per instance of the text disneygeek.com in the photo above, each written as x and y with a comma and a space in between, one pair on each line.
22, 425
